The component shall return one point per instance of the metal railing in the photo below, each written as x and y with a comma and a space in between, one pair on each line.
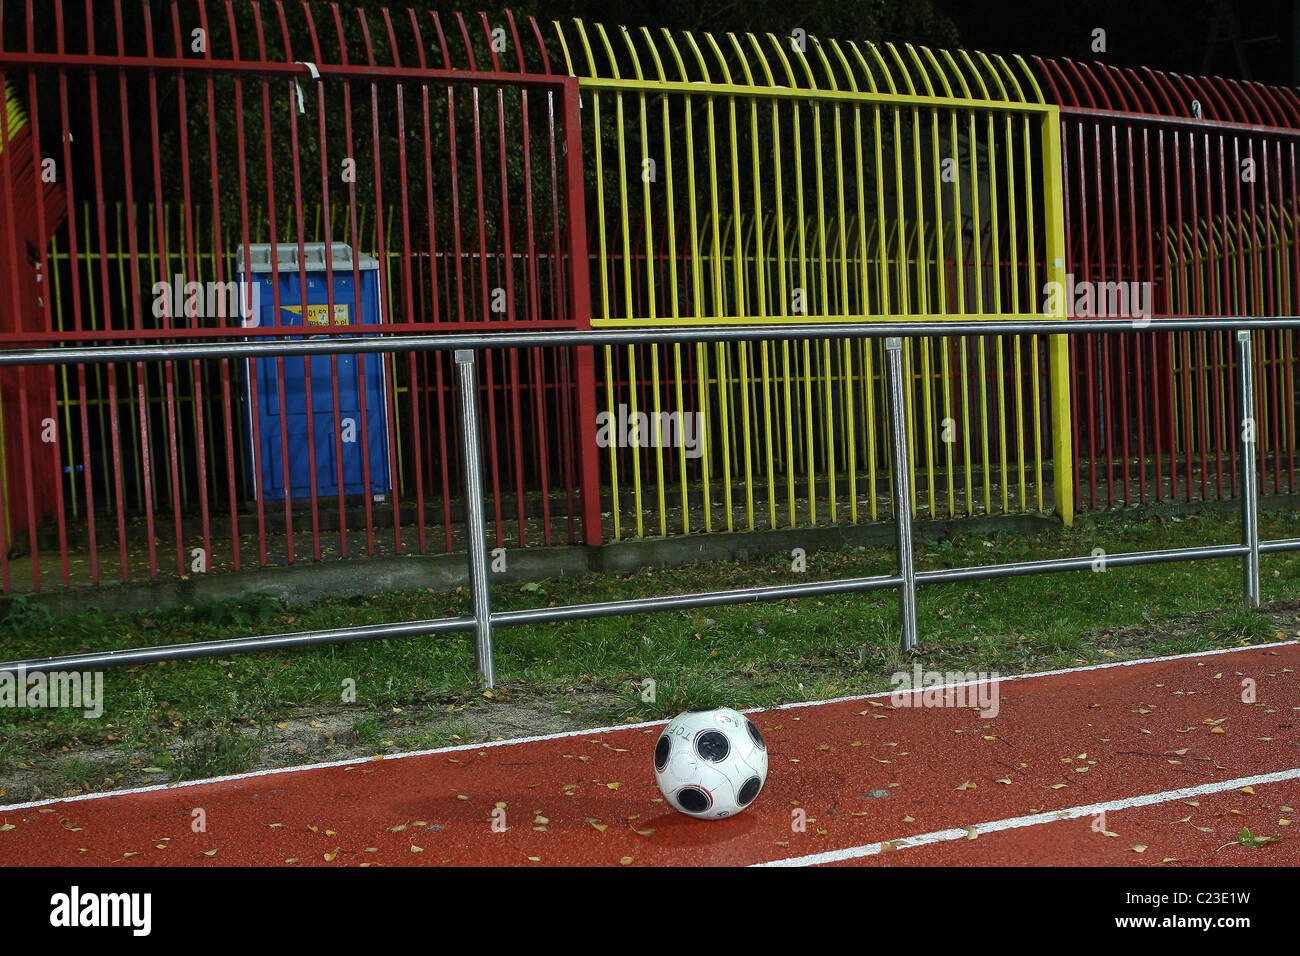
484, 620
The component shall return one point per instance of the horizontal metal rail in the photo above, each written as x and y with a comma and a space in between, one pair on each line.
483, 620
299, 70
100, 355
1184, 122
243, 645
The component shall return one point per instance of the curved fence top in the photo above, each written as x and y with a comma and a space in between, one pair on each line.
1102, 86
239, 35
765, 62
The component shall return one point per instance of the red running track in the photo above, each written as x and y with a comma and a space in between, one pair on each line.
1168, 749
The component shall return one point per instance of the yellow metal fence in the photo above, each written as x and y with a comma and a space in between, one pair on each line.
751, 180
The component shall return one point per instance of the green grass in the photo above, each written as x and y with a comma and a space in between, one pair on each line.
197, 718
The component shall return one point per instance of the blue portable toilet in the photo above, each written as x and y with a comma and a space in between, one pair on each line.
355, 303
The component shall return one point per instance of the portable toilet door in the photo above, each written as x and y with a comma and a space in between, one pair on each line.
361, 426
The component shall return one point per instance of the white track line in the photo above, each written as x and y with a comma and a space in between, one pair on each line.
357, 761
1037, 819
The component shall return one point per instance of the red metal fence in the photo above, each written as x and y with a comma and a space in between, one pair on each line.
191, 130
450, 149
1188, 184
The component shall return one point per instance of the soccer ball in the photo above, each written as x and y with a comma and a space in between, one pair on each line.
710, 762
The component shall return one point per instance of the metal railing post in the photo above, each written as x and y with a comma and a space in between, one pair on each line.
902, 492
477, 537
1249, 475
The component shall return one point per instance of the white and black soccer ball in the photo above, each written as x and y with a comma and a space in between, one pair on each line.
710, 762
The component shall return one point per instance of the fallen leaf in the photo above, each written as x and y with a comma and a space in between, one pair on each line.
1140, 848
1246, 838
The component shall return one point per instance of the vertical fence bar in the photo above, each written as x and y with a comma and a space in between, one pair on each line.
580, 308
1249, 475
902, 492
476, 537
1058, 345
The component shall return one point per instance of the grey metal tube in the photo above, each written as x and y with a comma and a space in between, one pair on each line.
1279, 545
484, 661
225, 348
1249, 478
1051, 565
242, 645
902, 494
774, 592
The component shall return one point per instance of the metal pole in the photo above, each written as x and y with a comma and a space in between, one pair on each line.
1249, 476
902, 493
478, 573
